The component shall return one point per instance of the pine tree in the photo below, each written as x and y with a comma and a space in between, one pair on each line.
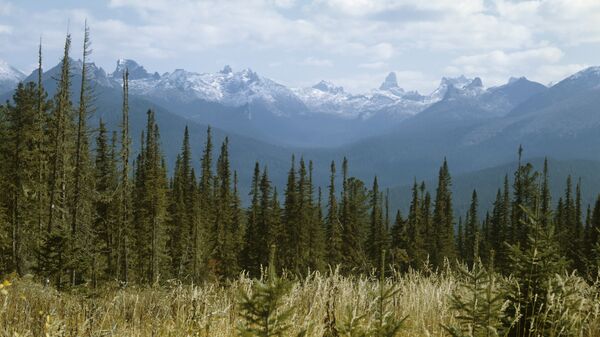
377, 233
237, 223
102, 231
545, 196
265, 218
125, 189
593, 240
443, 219
471, 231
291, 220
353, 211
399, 243
277, 232
315, 230
533, 267
262, 308
577, 245
152, 206
223, 234
460, 238
181, 210
414, 230
334, 226
41, 178
81, 212
54, 255
200, 249
254, 253
478, 303
526, 194
21, 155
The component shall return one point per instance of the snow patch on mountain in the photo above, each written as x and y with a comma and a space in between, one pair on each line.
9, 76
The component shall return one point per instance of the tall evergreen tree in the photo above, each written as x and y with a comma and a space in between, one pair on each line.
125, 188
414, 230
334, 226
223, 233
152, 212
21, 163
54, 256
102, 231
377, 234
81, 212
255, 249
201, 247
471, 232
443, 219
315, 230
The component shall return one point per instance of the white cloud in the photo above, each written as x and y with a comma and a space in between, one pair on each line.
373, 65
5, 8
5, 29
497, 66
316, 62
494, 39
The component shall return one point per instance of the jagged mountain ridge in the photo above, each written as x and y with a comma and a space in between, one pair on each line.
324, 115
9, 77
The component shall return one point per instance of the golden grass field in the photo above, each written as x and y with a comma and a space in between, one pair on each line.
28, 308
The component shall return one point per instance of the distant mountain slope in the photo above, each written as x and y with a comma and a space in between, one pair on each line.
473, 126
417, 145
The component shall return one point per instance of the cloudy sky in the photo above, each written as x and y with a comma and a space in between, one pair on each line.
353, 43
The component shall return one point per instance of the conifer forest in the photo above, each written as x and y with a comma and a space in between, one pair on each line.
101, 238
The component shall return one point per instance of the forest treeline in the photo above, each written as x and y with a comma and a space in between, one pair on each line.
78, 206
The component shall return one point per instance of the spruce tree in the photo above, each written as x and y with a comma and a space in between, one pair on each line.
334, 226
102, 231
125, 189
352, 212
291, 219
314, 226
21, 165
471, 231
54, 255
223, 233
151, 191
254, 250
533, 267
265, 218
81, 212
201, 249
443, 219
377, 234
181, 210
399, 243
414, 230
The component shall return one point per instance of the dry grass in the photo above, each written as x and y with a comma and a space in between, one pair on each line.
30, 309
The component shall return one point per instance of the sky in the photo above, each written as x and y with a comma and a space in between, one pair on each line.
352, 43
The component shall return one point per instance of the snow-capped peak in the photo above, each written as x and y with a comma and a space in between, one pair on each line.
136, 71
329, 87
450, 86
10, 73
590, 72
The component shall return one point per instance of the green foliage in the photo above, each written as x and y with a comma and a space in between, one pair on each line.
261, 307
477, 303
534, 267
386, 323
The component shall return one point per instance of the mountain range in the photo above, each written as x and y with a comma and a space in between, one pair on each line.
392, 132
